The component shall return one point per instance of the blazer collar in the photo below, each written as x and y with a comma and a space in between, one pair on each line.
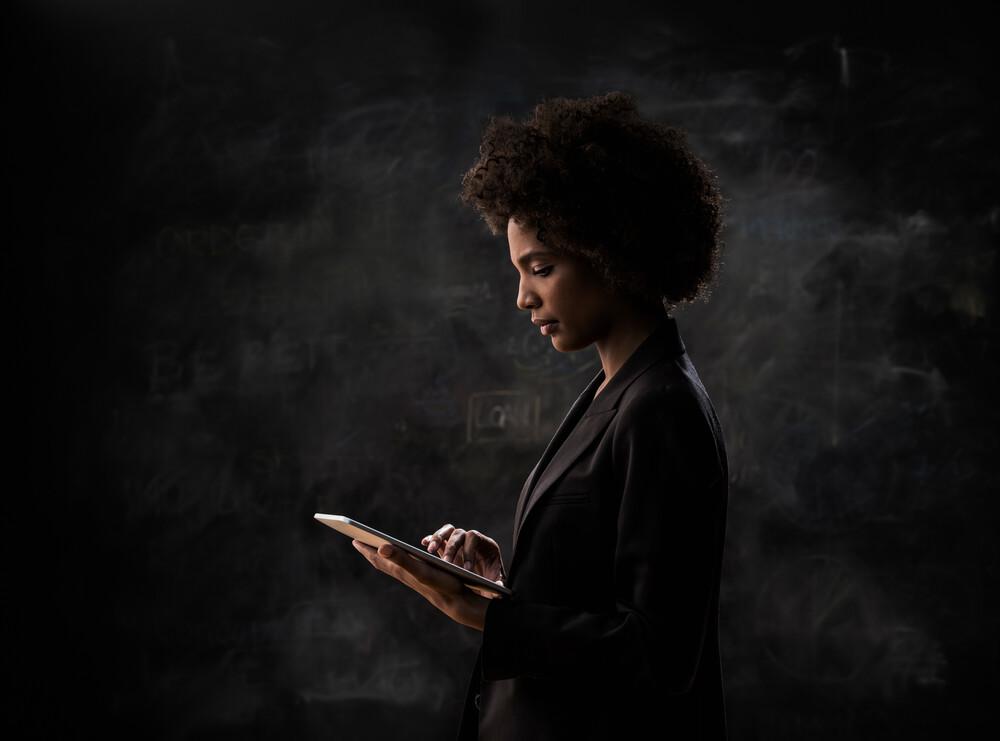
665, 339
575, 433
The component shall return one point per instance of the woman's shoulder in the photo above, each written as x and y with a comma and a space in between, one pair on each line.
671, 384
669, 401
668, 409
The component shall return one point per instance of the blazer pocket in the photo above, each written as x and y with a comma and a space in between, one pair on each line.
568, 497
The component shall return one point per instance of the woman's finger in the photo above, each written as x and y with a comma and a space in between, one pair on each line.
472, 552
413, 572
483, 592
437, 539
453, 545
385, 558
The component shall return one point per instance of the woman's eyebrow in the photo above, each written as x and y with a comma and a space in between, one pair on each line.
523, 259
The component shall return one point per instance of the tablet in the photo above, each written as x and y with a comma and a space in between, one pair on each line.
371, 536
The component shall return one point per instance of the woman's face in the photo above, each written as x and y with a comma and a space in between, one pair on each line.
560, 287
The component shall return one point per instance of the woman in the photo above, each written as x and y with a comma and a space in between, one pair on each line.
612, 626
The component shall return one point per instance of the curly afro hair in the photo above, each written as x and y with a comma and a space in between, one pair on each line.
598, 182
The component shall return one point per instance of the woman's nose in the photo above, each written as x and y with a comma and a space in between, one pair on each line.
526, 301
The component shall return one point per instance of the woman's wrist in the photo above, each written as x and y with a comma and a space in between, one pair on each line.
473, 612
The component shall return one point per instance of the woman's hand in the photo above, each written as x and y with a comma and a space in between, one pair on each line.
470, 549
446, 592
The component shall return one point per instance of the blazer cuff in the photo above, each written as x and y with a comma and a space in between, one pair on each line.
501, 631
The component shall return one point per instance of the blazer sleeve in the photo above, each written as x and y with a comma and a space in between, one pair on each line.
665, 564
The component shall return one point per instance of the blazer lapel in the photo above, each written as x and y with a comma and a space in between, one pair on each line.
584, 433
560, 455
574, 412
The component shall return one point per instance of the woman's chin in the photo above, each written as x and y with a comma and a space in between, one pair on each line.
559, 343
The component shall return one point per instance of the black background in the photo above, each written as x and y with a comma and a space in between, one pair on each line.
243, 290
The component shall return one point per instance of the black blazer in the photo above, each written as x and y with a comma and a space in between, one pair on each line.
612, 625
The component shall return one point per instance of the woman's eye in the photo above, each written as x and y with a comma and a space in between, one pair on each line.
542, 271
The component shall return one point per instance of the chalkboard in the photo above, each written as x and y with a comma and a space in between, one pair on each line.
252, 294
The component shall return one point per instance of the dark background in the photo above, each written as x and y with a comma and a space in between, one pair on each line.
243, 290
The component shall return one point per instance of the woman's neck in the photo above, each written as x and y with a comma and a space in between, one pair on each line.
621, 340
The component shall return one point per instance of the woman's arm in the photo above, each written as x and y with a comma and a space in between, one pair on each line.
668, 548
446, 592
464, 604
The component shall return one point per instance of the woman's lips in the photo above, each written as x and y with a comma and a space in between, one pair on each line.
548, 328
